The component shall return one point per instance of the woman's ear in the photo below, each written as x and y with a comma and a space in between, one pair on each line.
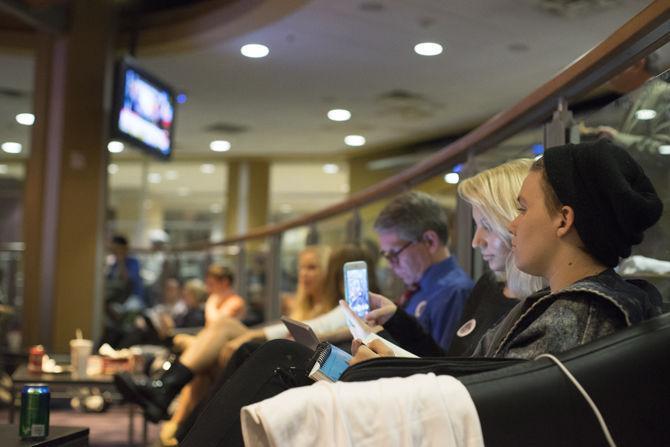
567, 220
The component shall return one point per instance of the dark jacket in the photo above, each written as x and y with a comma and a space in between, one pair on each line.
550, 323
582, 312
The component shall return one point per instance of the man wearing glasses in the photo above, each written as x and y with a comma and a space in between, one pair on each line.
413, 236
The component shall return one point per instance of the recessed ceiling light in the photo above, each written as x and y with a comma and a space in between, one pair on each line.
4, 169
331, 168
215, 208
645, 114
339, 115
428, 48
26, 119
154, 177
354, 140
219, 145
207, 168
254, 50
452, 178
112, 168
183, 191
115, 147
172, 175
664, 149
12, 147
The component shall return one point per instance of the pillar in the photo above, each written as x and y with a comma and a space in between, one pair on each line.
66, 179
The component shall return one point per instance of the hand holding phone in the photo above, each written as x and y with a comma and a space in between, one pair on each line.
356, 287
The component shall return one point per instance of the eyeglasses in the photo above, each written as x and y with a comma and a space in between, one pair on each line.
392, 255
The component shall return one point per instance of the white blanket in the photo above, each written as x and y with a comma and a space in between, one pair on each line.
421, 410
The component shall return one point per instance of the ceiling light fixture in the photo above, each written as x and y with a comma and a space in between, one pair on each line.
339, 115
154, 177
354, 140
428, 48
331, 168
645, 114
452, 178
254, 50
11, 147
112, 169
115, 147
25, 119
207, 168
219, 145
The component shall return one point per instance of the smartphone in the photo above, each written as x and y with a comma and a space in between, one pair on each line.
356, 287
328, 363
301, 332
336, 363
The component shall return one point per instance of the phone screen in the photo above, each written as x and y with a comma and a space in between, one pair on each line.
356, 287
336, 363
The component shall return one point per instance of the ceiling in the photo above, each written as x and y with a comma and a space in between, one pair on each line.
352, 54
357, 54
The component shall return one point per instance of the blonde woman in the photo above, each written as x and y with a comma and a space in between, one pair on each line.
307, 302
493, 196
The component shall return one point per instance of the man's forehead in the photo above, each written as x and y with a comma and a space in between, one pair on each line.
389, 238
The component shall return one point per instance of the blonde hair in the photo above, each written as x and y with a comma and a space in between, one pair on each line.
494, 193
197, 288
306, 305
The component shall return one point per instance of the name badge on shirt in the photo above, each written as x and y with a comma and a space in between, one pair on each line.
467, 328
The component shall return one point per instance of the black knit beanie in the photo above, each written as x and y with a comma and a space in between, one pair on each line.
613, 200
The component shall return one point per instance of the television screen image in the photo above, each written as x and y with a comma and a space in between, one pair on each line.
144, 111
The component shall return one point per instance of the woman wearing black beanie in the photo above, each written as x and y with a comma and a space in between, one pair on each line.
582, 207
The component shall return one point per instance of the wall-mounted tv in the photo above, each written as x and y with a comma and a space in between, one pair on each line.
143, 111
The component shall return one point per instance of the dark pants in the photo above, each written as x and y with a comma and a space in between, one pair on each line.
239, 357
275, 367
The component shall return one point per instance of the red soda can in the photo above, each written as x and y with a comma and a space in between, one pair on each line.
35, 355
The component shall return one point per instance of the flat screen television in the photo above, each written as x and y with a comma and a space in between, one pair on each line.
143, 110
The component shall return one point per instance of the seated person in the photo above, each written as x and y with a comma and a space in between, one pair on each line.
413, 235
189, 310
566, 233
222, 305
493, 197
180, 307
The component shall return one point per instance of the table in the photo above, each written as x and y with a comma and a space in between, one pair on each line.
64, 383
58, 436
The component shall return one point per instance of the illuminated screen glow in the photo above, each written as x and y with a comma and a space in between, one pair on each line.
147, 112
